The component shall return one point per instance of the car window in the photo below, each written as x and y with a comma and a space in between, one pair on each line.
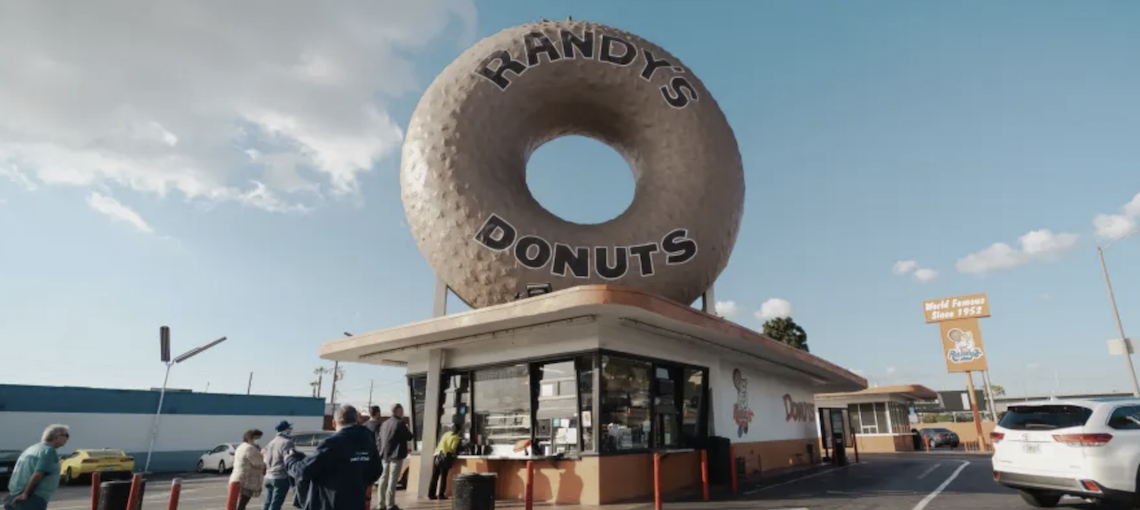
302, 439
1125, 418
1045, 417
220, 448
9, 455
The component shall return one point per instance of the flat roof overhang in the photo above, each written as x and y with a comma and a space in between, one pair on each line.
906, 392
395, 346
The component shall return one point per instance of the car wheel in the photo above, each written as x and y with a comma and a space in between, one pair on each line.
201, 466
222, 467
1040, 499
67, 478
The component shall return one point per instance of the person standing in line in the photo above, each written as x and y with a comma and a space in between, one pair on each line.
276, 478
392, 443
445, 455
373, 423
249, 468
36, 475
345, 464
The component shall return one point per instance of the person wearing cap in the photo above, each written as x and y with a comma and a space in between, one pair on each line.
276, 477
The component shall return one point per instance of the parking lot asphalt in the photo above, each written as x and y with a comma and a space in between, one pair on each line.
880, 482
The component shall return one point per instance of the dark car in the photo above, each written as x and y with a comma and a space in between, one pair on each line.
940, 437
8, 460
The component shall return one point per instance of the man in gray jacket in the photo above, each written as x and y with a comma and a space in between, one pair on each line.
392, 443
276, 477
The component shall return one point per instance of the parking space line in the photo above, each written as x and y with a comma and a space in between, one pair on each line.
930, 497
928, 471
813, 475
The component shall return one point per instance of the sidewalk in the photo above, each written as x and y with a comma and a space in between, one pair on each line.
748, 489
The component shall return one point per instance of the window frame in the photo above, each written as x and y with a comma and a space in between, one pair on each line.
595, 356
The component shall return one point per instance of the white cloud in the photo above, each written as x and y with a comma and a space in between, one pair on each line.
726, 309
891, 370
115, 210
1037, 245
17, 177
925, 275
1115, 226
905, 266
180, 97
773, 309
1033, 365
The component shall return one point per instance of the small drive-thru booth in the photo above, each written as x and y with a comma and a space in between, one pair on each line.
599, 379
879, 416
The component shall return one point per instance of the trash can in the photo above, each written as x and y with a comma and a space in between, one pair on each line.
473, 491
115, 495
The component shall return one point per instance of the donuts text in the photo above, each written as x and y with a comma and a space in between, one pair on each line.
611, 49
608, 262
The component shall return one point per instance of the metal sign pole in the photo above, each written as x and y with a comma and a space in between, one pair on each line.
974, 406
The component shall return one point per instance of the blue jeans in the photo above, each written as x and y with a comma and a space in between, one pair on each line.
275, 491
32, 503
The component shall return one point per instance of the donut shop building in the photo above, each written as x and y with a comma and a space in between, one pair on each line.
589, 382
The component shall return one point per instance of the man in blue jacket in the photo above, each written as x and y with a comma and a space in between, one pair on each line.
342, 469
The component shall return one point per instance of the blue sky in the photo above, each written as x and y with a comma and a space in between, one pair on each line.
871, 133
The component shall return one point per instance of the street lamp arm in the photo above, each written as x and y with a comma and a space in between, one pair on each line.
1118, 239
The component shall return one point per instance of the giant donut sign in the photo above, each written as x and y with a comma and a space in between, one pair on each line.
463, 168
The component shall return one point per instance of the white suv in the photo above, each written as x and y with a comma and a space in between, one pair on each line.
1084, 448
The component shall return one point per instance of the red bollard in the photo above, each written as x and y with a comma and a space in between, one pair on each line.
232, 497
96, 480
657, 481
133, 502
732, 467
529, 485
855, 441
175, 493
705, 473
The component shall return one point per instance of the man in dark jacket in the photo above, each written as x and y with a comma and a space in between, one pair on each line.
392, 443
342, 469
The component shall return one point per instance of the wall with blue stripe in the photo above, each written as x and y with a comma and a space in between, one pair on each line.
191, 424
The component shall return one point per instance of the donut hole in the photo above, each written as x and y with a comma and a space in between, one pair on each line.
580, 180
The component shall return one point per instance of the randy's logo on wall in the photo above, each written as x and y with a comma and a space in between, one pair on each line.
608, 262
605, 48
798, 411
741, 414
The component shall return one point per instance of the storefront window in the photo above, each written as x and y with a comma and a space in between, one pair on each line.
693, 398
586, 397
624, 417
557, 428
867, 419
418, 387
502, 408
456, 405
665, 400
881, 417
900, 418
853, 412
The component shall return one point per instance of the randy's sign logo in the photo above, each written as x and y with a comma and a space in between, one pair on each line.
964, 350
608, 262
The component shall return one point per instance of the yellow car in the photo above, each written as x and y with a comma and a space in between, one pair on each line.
109, 462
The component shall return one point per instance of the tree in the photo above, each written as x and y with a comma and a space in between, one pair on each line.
784, 329
999, 391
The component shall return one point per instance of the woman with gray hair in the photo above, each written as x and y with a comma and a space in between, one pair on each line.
36, 475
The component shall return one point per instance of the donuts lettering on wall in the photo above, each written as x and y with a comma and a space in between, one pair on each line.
464, 161
678, 92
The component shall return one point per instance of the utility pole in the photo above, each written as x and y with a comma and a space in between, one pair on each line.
371, 384
335, 376
249, 385
1116, 315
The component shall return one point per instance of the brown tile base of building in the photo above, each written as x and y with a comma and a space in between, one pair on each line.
605, 480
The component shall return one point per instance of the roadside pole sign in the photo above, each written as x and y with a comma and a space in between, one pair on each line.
962, 346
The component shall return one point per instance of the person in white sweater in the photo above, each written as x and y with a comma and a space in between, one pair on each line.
249, 468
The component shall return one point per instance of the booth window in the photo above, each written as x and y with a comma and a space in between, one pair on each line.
900, 418
456, 405
624, 418
502, 408
418, 389
556, 426
666, 408
585, 365
694, 398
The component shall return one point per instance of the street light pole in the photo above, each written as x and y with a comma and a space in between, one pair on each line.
162, 395
1119, 324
